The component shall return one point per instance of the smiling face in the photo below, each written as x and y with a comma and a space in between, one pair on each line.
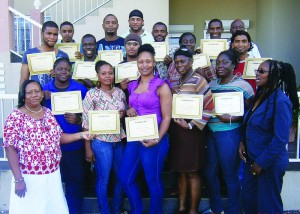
33, 95
224, 66
106, 75
241, 44
49, 36
146, 63
67, 32
262, 75
237, 25
189, 42
215, 30
62, 72
110, 25
136, 23
89, 47
159, 33
183, 64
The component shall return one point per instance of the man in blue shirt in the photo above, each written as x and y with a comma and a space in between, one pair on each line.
72, 162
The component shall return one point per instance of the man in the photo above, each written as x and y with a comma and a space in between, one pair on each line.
67, 32
49, 36
240, 25
215, 28
72, 162
136, 23
111, 41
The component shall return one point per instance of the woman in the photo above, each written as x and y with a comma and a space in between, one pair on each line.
187, 148
106, 149
266, 125
224, 137
32, 144
148, 95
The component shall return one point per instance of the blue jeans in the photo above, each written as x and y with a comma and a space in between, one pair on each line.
108, 156
152, 161
222, 153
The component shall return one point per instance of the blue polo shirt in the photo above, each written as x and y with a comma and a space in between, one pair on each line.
67, 127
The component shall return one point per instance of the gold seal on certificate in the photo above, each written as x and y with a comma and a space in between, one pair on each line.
141, 127
201, 61
104, 122
126, 70
84, 70
229, 103
69, 48
212, 47
252, 64
161, 50
113, 57
187, 106
41, 63
63, 102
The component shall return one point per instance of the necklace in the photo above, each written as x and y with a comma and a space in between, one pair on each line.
107, 91
32, 111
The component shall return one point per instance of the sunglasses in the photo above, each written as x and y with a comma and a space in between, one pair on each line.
260, 71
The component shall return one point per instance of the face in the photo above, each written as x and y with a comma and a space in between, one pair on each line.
146, 63
33, 95
62, 72
241, 44
262, 75
189, 42
236, 25
136, 23
89, 46
50, 36
132, 48
224, 66
110, 25
67, 32
183, 64
106, 75
215, 30
159, 33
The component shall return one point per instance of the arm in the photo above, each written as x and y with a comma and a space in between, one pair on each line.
24, 73
69, 138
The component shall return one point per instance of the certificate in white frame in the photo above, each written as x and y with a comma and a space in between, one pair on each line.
187, 106
104, 122
68, 101
229, 103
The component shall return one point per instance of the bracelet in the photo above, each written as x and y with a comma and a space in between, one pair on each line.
190, 126
81, 136
80, 120
19, 180
156, 140
230, 119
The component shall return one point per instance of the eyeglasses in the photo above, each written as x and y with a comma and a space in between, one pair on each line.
132, 44
260, 71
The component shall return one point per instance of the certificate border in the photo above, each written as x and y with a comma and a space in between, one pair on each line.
207, 60
198, 116
117, 80
104, 112
224, 41
167, 50
79, 110
152, 116
30, 56
72, 59
245, 76
240, 94
112, 51
76, 67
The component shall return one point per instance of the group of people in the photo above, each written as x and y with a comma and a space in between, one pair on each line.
40, 146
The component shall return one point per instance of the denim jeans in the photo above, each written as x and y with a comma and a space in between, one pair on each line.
152, 161
108, 156
222, 153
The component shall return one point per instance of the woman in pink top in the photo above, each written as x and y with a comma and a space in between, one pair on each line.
148, 95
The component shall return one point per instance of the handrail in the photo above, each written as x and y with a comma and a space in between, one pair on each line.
50, 5
14, 52
25, 17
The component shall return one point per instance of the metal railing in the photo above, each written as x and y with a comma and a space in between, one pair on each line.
72, 10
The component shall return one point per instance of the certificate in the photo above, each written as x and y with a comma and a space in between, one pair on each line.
70, 49
104, 122
41, 63
201, 61
252, 64
85, 70
141, 127
113, 57
187, 106
126, 70
62, 102
161, 50
229, 103
212, 47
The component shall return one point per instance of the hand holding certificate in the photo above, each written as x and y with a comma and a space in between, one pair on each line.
69, 48
141, 127
41, 63
229, 103
84, 70
114, 57
62, 102
128, 70
201, 61
252, 64
212, 47
187, 106
161, 50
104, 122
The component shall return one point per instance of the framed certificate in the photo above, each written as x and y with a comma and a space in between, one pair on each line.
41, 63
141, 127
62, 102
126, 70
187, 106
161, 50
252, 64
212, 47
104, 122
113, 57
85, 70
201, 61
70, 49
229, 103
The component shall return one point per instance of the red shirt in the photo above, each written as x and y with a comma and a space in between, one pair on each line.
239, 72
